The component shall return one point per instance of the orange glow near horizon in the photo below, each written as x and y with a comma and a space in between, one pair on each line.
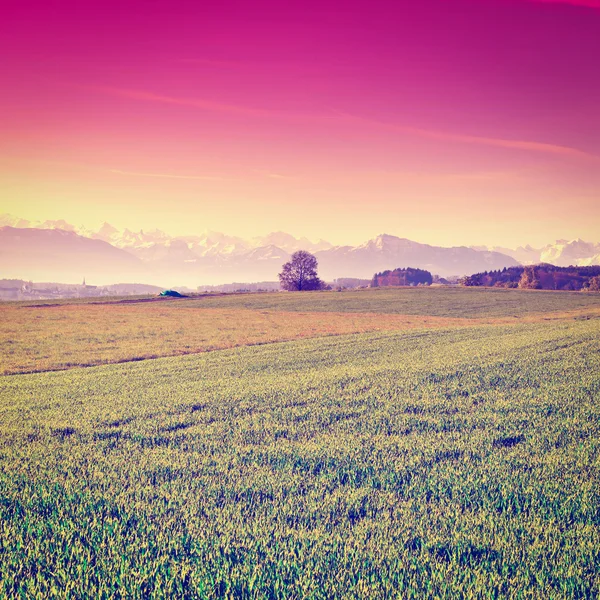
332, 124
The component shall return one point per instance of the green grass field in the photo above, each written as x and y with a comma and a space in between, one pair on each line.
431, 301
430, 463
437, 302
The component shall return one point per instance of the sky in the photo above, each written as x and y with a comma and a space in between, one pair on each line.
448, 122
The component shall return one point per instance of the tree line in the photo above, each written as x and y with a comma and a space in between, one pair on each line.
539, 277
407, 276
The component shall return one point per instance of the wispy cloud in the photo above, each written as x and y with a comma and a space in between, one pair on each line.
272, 174
210, 105
277, 176
195, 102
338, 116
165, 175
267, 174
504, 143
543, 147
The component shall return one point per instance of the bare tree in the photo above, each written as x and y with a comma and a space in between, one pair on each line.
300, 273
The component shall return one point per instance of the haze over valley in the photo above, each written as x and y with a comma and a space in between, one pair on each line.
59, 251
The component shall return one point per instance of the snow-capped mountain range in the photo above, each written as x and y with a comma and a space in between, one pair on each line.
562, 253
150, 245
59, 251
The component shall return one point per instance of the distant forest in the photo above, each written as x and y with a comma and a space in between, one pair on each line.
539, 277
408, 276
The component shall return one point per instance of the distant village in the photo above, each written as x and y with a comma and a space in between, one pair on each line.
18, 289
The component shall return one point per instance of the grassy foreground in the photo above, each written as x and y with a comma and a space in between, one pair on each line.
449, 463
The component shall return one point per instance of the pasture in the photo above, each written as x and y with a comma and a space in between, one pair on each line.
388, 443
55, 335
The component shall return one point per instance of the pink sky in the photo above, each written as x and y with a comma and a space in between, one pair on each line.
447, 122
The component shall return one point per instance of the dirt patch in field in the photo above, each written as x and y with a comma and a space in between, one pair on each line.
83, 335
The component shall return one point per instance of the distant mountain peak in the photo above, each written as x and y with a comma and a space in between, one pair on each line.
107, 229
386, 241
